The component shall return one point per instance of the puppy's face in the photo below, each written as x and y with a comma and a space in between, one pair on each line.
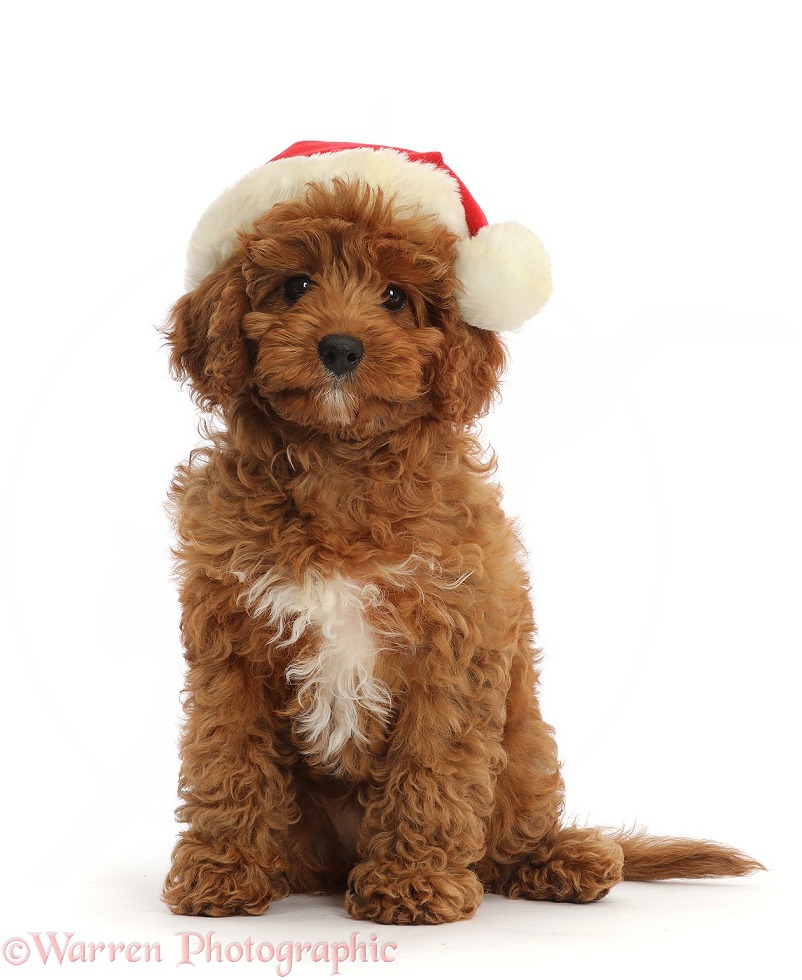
337, 314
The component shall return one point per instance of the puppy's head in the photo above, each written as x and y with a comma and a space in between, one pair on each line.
337, 313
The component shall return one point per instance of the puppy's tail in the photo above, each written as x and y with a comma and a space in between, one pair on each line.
657, 858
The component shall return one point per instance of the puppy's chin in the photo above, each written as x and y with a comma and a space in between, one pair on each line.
337, 409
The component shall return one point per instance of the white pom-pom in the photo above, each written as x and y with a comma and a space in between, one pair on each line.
505, 275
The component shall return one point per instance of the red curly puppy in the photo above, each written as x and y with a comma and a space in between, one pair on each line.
361, 708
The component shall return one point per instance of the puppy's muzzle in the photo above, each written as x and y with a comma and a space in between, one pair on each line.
340, 353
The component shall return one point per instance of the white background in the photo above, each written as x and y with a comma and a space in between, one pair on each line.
648, 436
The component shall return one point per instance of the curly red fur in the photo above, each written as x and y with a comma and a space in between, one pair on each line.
336, 517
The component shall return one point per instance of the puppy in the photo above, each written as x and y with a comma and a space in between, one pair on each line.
361, 709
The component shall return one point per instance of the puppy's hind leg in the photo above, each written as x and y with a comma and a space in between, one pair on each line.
574, 865
528, 853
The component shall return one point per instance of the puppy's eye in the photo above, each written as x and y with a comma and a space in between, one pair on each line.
395, 299
295, 287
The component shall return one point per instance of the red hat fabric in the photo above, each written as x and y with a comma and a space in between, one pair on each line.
503, 268
474, 215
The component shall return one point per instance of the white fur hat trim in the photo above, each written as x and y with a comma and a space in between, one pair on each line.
503, 268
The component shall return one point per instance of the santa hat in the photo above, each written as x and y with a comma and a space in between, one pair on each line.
503, 268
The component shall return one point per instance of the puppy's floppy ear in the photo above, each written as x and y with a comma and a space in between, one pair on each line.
204, 333
466, 372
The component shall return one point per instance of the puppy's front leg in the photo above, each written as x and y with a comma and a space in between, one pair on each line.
237, 798
424, 825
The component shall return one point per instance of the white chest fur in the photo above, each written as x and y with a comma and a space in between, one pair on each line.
337, 681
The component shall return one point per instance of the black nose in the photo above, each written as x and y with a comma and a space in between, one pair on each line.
340, 353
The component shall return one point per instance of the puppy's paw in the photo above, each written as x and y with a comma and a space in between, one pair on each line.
403, 895
203, 881
581, 870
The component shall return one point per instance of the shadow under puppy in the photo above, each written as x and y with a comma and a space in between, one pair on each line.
361, 708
